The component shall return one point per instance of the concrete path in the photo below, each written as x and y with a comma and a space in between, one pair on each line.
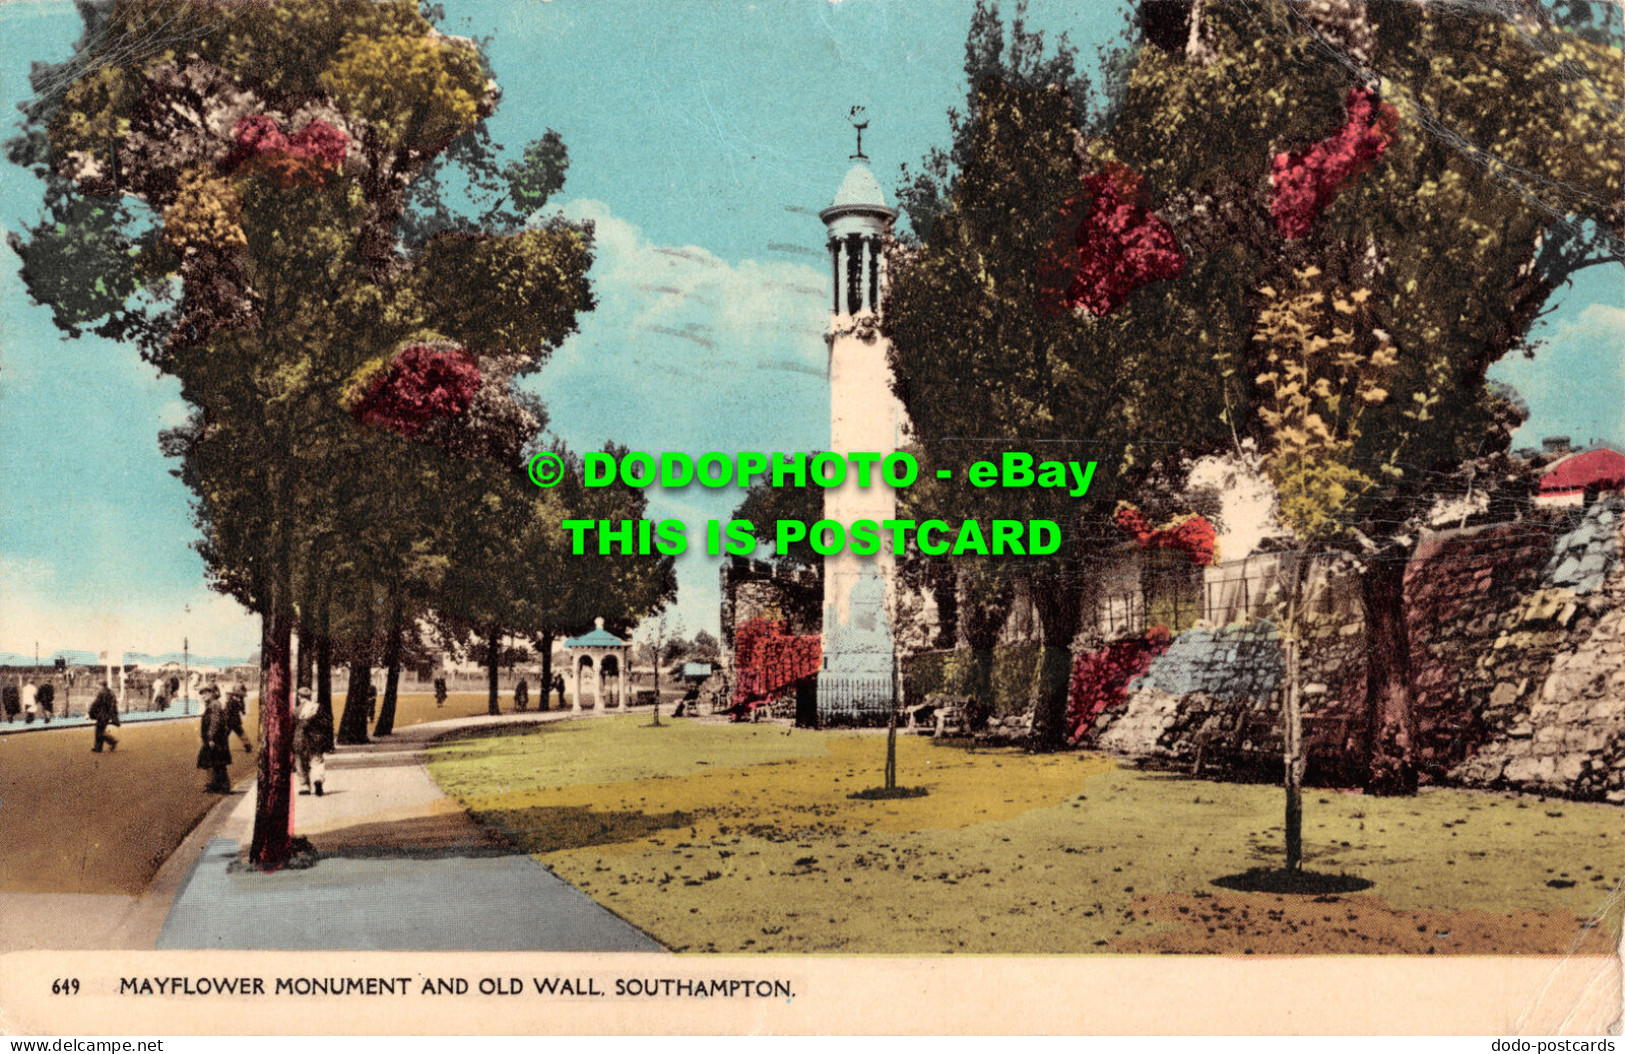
401, 867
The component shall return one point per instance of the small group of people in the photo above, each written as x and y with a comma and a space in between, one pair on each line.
31, 701
521, 693
219, 723
165, 692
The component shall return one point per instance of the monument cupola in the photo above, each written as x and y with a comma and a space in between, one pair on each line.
858, 221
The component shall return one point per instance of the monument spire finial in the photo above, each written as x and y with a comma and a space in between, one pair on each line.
859, 121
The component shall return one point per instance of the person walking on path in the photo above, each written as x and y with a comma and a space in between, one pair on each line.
440, 691
46, 694
160, 696
11, 702
558, 686
372, 702
104, 711
215, 754
308, 745
236, 707
521, 695
30, 704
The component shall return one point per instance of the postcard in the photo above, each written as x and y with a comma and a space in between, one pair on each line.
821, 517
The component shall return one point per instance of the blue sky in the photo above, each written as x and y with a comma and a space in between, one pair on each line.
703, 137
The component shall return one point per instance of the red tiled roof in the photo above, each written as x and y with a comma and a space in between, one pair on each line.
1575, 473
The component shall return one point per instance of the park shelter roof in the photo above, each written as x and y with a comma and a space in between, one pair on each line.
597, 637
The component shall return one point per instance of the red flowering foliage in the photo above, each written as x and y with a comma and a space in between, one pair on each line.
768, 660
1305, 183
1100, 679
1121, 245
423, 382
307, 157
1191, 534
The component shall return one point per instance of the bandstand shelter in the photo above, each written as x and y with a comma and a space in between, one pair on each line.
595, 657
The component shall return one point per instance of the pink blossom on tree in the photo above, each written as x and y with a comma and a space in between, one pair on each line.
307, 156
258, 134
1121, 244
1305, 183
424, 382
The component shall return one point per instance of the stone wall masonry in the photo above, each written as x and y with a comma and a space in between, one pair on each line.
1213, 693
1581, 558
1517, 651
1474, 650
1561, 732
1212, 702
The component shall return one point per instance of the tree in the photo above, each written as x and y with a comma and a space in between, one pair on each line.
565, 591
660, 638
765, 505
270, 163
1251, 143
983, 345
1019, 61
706, 648
1313, 139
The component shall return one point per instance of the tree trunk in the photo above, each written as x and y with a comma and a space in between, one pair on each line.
1059, 603
656, 721
306, 654
891, 751
1292, 716
942, 578
891, 725
545, 643
353, 724
1390, 735
980, 620
1293, 748
493, 639
392, 679
324, 669
271, 844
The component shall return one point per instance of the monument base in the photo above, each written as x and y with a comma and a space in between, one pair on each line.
854, 698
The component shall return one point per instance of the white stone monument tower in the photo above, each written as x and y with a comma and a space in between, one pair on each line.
859, 592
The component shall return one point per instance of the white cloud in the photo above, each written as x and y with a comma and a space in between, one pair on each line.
690, 352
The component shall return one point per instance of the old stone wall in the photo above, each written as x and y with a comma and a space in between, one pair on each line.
1553, 717
1517, 648
1463, 592
1211, 694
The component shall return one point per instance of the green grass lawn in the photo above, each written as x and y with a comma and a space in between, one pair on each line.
736, 838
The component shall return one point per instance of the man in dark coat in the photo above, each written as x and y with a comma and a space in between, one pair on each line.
558, 686
104, 711
215, 754
521, 695
440, 691
236, 707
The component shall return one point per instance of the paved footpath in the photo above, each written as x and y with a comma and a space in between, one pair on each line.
401, 867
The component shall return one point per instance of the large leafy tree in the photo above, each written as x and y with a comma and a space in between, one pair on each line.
228, 181
989, 361
1253, 145
1361, 150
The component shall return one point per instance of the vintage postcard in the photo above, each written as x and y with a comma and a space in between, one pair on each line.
821, 516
